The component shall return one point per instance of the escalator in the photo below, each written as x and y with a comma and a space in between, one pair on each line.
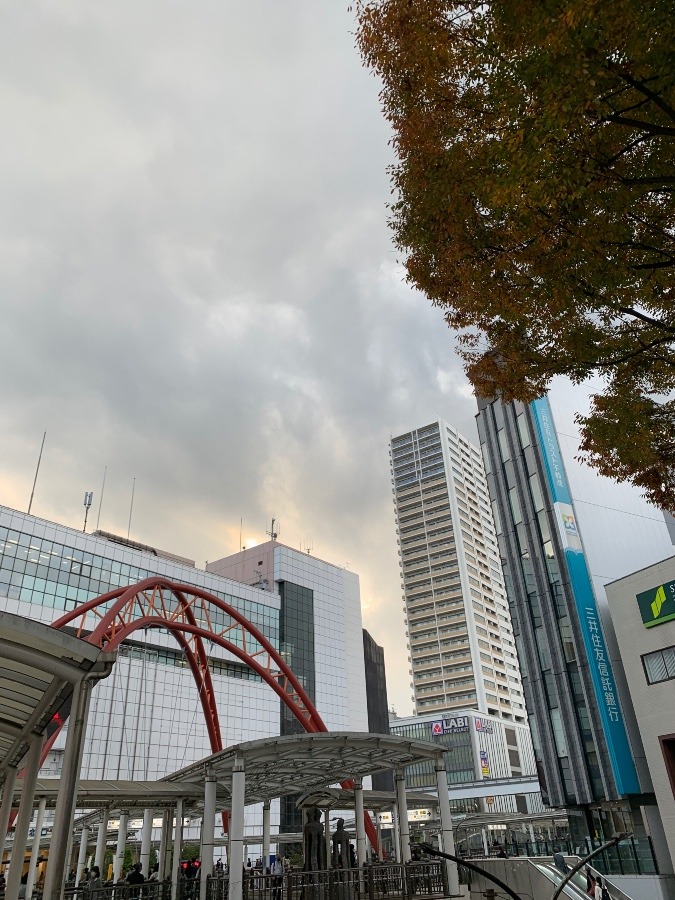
576, 887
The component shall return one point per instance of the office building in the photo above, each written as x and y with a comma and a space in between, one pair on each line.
642, 607
460, 640
320, 636
482, 751
147, 718
376, 701
564, 531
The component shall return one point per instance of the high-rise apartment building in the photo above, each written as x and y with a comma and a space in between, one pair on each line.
564, 531
461, 646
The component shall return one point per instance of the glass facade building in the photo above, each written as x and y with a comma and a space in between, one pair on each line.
563, 532
376, 700
146, 719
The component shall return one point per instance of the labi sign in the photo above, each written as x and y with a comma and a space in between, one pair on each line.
657, 605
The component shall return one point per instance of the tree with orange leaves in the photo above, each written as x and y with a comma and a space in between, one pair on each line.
534, 200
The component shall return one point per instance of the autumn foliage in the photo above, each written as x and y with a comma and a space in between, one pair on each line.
533, 200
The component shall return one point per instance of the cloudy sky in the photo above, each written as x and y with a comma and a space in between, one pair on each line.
198, 287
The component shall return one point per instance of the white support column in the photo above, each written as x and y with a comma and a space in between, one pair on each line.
23, 820
361, 850
402, 807
266, 835
62, 828
163, 844
118, 862
486, 843
35, 849
531, 830
397, 835
177, 843
447, 836
101, 843
7, 800
146, 841
82, 853
236, 885
327, 835
208, 832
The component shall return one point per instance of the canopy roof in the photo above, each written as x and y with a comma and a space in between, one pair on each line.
39, 666
122, 795
338, 798
295, 764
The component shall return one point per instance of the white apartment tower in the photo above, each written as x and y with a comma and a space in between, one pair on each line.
460, 640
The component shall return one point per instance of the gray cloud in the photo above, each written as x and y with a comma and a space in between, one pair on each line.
197, 284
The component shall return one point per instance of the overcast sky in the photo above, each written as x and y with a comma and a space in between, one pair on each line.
198, 287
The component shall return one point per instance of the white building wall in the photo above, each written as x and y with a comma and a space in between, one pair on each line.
338, 641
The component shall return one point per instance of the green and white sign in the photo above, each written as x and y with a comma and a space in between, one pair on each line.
658, 604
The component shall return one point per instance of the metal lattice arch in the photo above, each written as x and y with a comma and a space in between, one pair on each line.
192, 616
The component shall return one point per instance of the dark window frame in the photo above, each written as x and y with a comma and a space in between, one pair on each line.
668, 757
644, 665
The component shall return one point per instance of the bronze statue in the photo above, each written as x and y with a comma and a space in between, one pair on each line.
340, 839
314, 842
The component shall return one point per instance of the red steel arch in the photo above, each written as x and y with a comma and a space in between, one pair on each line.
193, 615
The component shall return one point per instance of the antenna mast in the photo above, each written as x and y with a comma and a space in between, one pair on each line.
100, 502
272, 533
32, 493
131, 508
88, 497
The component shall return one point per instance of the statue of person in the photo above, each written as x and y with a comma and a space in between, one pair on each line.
340, 841
323, 862
314, 843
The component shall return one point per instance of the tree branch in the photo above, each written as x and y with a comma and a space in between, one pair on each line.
650, 320
643, 89
639, 123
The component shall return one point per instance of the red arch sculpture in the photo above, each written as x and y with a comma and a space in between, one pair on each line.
192, 615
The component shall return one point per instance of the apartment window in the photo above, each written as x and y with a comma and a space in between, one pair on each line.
659, 666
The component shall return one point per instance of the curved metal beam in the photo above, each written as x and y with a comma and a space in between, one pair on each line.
199, 614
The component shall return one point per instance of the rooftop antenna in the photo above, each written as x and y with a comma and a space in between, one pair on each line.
272, 533
309, 546
88, 497
131, 508
32, 493
100, 502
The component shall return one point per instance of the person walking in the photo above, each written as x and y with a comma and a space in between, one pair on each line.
277, 878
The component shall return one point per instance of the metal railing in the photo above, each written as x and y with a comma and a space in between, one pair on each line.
388, 880
633, 856
149, 890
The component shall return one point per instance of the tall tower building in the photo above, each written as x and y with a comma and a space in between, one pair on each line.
564, 531
461, 646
